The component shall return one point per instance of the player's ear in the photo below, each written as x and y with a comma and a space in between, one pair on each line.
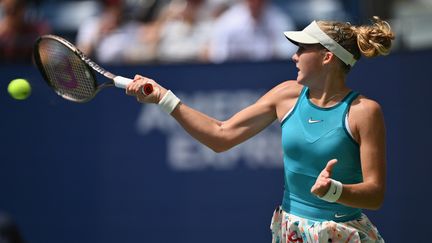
328, 57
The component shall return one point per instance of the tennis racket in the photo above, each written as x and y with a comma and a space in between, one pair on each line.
70, 73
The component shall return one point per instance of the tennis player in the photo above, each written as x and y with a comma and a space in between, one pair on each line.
333, 138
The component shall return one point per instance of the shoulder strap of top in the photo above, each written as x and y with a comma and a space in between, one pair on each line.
352, 95
348, 101
303, 93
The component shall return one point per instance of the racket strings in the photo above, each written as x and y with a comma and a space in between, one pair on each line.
66, 72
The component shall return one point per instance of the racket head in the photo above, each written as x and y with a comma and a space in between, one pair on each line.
63, 67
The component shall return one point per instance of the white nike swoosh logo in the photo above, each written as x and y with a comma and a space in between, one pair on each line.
313, 121
339, 215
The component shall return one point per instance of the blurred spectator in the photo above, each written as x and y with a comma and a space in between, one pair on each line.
185, 30
17, 33
305, 11
98, 36
112, 38
251, 30
9, 232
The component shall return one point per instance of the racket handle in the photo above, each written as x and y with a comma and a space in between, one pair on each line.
122, 82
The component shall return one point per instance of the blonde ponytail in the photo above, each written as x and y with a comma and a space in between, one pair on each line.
375, 39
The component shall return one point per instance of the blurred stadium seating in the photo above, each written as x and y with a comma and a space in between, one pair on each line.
410, 19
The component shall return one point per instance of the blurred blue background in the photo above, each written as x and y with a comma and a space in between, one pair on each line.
113, 170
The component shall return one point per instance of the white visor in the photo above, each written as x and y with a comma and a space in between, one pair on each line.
312, 34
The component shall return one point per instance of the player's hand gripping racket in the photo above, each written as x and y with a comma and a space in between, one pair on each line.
70, 73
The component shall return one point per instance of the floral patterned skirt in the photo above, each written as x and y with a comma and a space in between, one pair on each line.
287, 228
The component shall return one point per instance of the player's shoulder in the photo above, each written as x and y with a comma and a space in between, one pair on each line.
288, 89
365, 108
365, 104
284, 91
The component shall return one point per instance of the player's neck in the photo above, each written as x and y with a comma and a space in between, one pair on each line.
332, 92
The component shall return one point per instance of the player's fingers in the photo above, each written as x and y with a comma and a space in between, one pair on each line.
137, 77
321, 187
140, 83
325, 173
129, 89
330, 165
132, 88
313, 188
150, 98
147, 87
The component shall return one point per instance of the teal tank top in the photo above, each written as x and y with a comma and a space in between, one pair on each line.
311, 136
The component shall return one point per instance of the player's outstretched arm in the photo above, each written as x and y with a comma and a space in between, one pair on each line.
217, 135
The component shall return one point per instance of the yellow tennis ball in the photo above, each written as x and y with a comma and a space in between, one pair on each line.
19, 89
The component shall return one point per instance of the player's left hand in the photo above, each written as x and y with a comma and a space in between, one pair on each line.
322, 183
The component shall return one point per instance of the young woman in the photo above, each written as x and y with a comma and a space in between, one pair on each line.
333, 138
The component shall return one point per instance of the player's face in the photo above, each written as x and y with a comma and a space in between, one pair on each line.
309, 62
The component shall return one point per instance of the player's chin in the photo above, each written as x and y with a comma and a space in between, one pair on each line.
300, 79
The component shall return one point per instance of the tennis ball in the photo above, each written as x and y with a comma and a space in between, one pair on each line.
19, 89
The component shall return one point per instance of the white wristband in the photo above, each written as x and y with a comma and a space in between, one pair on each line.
169, 102
334, 192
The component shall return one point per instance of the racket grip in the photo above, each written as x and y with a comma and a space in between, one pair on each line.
122, 82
